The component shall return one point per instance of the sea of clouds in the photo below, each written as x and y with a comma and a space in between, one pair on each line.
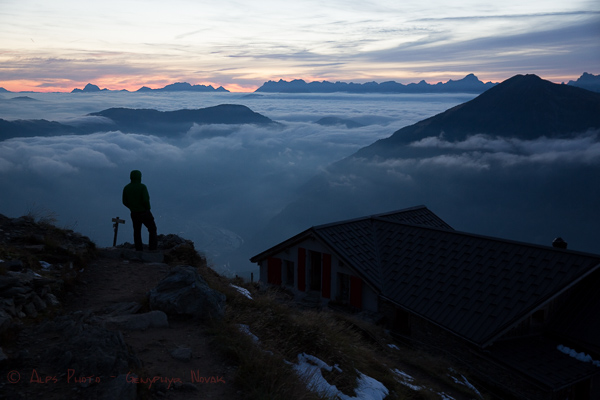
217, 189
222, 185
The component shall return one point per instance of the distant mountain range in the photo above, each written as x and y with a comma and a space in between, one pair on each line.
167, 123
174, 87
468, 84
587, 81
160, 123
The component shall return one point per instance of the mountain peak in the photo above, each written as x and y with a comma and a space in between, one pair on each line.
184, 87
89, 88
470, 77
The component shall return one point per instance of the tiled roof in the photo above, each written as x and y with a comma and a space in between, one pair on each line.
357, 241
419, 215
472, 285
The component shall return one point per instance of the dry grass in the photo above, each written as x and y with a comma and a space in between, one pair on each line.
261, 374
284, 331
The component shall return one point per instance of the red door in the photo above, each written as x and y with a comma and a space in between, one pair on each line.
301, 269
326, 279
274, 271
356, 292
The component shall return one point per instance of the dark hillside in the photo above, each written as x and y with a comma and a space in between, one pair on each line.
153, 121
127, 120
524, 107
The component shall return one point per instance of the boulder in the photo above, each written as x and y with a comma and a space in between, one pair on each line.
182, 354
184, 292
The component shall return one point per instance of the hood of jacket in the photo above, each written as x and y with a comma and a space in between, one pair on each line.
135, 176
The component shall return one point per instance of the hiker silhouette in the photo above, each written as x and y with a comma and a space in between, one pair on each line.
137, 199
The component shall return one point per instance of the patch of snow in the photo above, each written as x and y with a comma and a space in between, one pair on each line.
242, 290
393, 346
309, 367
316, 361
368, 388
315, 381
45, 265
246, 329
579, 356
465, 382
406, 379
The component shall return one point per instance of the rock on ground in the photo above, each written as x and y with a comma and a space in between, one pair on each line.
184, 292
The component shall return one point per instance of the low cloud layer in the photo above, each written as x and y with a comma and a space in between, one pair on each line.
527, 190
482, 151
216, 185
221, 185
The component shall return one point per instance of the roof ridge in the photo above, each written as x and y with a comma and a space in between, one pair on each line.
491, 238
418, 207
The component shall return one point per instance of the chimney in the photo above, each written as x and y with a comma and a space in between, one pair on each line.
559, 243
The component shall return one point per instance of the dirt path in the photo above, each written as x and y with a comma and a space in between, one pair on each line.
195, 371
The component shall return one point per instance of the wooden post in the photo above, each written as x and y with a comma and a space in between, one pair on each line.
116, 221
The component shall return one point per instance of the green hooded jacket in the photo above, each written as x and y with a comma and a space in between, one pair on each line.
135, 194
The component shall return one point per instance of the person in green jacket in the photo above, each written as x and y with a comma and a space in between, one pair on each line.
137, 199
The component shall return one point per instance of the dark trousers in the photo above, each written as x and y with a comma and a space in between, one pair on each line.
147, 219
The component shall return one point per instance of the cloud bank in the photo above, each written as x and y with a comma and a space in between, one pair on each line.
216, 185
228, 188
526, 190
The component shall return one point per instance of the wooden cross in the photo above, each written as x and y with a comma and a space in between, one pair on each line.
116, 221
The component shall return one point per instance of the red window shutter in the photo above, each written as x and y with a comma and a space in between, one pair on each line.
301, 269
326, 279
356, 292
274, 271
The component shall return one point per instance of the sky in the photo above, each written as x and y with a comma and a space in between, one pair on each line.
127, 44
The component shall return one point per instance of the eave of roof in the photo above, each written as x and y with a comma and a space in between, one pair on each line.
311, 233
283, 245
